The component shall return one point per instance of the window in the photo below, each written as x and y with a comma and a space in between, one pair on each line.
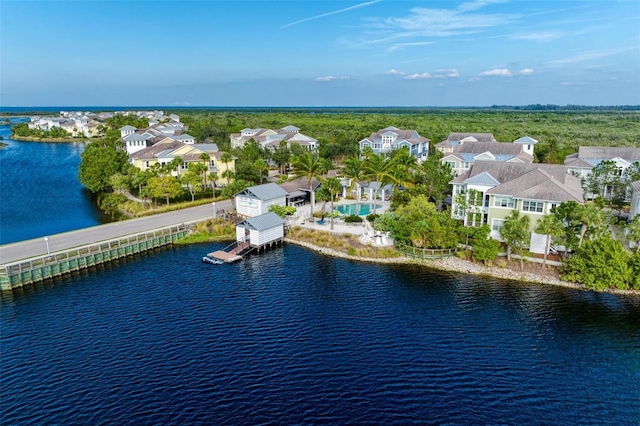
533, 206
466, 164
507, 202
452, 164
496, 224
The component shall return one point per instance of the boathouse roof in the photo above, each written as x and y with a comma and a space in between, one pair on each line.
263, 222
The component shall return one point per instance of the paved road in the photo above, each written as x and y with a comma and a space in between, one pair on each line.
58, 242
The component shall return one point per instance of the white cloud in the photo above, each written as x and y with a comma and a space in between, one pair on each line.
332, 78
424, 22
335, 12
446, 73
418, 76
497, 72
477, 4
526, 71
399, 46
541, 36
472, 79
394, 71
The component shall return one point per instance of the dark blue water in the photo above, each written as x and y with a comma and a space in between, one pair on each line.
293, 337
39, 190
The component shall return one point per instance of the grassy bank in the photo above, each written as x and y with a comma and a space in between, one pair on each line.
210, 230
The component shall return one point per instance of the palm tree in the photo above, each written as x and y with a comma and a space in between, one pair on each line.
353, 170
550, 226
205, 162
261, 166
378, 168
515, 232
309, 165
592, 219
633, 232
226, 158
333, 186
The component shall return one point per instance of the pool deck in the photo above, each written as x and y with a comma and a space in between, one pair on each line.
339, 227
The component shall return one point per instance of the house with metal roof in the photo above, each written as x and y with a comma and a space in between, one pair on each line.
391, 138
501, 187
461, 150
256, 200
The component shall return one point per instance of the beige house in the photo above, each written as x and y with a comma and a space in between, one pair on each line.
500, 188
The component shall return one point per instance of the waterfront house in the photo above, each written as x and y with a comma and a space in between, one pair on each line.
461, 150
256, 200
500, 188
260, 231
391, 138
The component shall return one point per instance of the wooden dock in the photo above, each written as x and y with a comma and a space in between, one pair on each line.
227, 257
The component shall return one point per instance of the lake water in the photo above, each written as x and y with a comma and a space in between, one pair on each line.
39, 190
292, 336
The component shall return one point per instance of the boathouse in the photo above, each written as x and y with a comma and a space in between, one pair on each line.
256, 200
260, 231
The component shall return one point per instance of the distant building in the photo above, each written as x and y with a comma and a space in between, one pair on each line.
461, 150
271, 139
391, 138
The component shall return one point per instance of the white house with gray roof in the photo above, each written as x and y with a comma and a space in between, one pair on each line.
256, 200
271, 139
582, 162
532, 189
461, 150
391, 138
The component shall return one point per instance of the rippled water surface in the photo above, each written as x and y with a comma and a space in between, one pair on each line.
39, 190
294, 337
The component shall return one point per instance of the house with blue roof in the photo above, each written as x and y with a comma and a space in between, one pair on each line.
391, 138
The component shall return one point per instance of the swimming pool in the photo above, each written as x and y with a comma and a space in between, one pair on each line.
363, 209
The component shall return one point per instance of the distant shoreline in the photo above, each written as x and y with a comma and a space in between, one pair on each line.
50, 140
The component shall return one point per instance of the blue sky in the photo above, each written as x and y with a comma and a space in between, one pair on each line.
319, 53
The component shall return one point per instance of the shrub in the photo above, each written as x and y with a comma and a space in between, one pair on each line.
372, 217
353, 219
